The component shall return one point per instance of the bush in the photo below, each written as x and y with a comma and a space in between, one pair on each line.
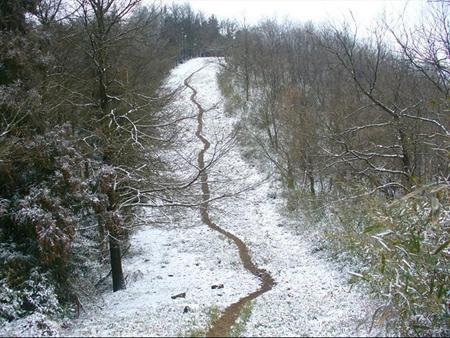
35, 294
34, 325
403, 252
48, 228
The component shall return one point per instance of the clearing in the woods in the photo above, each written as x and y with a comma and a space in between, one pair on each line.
233, 266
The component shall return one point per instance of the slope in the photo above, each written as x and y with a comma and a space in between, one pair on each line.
311, 295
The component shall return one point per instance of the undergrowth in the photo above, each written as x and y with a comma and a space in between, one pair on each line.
241, 322
213, 315
404, 256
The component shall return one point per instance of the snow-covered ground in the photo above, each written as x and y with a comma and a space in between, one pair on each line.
311, 296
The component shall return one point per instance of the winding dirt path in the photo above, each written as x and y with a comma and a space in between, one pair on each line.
223, 325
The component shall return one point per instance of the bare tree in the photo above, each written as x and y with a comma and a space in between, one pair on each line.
373, 69
104, 25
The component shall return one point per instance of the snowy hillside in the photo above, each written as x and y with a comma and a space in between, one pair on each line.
191, 261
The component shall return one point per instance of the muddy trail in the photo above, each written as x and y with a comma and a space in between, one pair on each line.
222, 326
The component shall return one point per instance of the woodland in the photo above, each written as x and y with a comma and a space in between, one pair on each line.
355, 125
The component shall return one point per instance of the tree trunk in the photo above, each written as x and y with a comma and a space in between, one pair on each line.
116, 264
311, 183
102, 246
311, 177
246, 67
406, 159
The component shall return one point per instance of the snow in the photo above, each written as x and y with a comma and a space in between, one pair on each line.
167, 262
311, 296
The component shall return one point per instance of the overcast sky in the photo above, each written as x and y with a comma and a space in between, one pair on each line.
364, 11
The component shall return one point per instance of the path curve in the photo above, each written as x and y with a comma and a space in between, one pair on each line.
222, 326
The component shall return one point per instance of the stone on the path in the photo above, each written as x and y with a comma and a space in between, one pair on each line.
180, 295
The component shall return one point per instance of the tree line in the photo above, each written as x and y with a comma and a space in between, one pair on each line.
336, 108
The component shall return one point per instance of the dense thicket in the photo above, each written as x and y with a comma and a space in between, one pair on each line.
357, 128
82, 122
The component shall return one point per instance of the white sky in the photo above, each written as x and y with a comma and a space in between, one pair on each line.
364, 11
